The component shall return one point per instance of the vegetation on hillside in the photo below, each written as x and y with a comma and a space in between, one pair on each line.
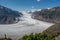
40, 36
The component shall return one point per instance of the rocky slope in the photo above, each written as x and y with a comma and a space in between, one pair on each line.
8, 16
53, 31
49, 15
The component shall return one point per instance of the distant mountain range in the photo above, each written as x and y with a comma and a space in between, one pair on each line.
9, 16
49, 15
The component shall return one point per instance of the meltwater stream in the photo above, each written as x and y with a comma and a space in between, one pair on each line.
27, 25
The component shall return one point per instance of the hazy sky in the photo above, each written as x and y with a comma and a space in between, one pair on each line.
29, 4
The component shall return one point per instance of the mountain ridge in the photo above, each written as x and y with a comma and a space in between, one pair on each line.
49, 15
9, 16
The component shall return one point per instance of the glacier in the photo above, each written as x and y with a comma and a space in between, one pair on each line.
25, 26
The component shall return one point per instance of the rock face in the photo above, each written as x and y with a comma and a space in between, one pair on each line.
8, 16
49, 15
53, 29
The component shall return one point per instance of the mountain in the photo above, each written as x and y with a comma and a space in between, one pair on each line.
53, 31
9, 16
49, 15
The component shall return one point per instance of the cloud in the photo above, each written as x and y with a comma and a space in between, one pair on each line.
32, 7
48, 8
38, 0
38, 9
33, 10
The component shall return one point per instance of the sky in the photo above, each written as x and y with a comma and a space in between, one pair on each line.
21, 5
